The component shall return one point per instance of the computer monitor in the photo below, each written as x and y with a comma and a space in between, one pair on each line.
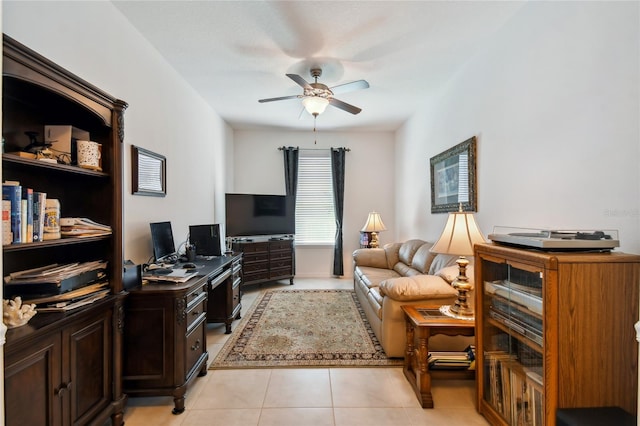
164, 249
206, 238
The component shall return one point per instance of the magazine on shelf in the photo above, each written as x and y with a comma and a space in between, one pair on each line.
72, 295
55, 278
67, 306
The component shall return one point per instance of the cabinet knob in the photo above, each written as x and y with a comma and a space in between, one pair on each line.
196, 346
63, 387
196, 313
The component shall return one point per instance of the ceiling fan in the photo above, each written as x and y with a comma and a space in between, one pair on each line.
316, 96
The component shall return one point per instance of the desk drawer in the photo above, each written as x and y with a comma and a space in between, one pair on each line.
196, 345
194, 297
196, 312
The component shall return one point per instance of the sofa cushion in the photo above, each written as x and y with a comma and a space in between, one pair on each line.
416, 288
375, 301
408, 249
423, 258
442, 261
371, 277
404, 270
450, 273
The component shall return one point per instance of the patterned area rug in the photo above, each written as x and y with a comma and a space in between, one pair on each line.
303, 328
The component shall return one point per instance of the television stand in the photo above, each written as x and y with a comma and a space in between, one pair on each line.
265, 261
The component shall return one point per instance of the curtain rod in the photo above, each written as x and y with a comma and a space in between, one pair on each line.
280, 148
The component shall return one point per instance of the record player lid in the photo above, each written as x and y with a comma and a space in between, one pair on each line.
566, 240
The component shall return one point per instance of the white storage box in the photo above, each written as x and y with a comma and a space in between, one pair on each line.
63, 141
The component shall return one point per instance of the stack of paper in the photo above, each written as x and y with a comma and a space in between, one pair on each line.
82, 227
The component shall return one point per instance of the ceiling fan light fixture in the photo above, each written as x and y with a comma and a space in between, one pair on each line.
315, 105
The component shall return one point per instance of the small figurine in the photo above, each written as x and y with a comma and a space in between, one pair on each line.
15, 314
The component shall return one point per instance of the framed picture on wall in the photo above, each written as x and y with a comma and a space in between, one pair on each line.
149, 173
453, 178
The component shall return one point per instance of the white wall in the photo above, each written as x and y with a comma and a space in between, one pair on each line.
165, 115
554, 103
369, 183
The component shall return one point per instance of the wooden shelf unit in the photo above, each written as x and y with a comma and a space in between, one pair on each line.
64, 368
554, 330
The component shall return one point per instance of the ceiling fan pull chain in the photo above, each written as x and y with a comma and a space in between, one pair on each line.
315, 116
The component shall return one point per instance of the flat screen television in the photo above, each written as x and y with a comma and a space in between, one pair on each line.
254, 214
164, 249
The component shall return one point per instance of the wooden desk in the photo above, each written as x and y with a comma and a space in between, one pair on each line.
165, 333
422, 323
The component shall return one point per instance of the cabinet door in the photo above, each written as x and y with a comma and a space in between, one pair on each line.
32, 382
89, 367
513, 340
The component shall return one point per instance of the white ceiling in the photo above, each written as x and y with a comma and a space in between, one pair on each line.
236, 52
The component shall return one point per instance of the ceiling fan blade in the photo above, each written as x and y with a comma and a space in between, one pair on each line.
344, 106
278, 99
301, 81
348, 87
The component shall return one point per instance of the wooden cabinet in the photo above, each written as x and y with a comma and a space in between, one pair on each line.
64, 369
554, 330
165, 341
265, 261
224, 293
62, 374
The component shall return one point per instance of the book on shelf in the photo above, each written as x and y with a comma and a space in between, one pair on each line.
7, 235
27, 215
12, 191
39, 203
448, 360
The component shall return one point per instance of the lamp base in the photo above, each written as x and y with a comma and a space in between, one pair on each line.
461, 308
447, 310
374, 240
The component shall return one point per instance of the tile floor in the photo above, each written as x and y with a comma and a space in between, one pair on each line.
306, 396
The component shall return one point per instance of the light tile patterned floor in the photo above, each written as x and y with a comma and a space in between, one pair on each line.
306, 396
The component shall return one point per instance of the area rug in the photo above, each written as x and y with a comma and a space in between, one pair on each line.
303, 328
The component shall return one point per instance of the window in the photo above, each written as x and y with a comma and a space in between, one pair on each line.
315, 217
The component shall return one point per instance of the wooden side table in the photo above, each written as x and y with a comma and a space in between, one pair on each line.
422, 323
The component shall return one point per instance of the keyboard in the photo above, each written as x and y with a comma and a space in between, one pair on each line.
161, 271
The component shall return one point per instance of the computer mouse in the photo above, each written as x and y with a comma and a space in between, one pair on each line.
189, 266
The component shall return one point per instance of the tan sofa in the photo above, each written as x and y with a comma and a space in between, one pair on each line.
405, 273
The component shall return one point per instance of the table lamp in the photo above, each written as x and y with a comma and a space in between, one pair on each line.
460, 234
374, 225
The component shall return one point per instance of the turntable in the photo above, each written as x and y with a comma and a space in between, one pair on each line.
556, 240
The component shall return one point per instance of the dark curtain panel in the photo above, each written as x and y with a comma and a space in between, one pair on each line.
290, 170
337, 170
290, 155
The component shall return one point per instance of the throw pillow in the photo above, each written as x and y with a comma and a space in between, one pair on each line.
450, 273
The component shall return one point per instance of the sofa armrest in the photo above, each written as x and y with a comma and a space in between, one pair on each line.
417, 287
374, 257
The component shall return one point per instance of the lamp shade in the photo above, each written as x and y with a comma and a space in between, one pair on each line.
374, 223
315, 105
460, 234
